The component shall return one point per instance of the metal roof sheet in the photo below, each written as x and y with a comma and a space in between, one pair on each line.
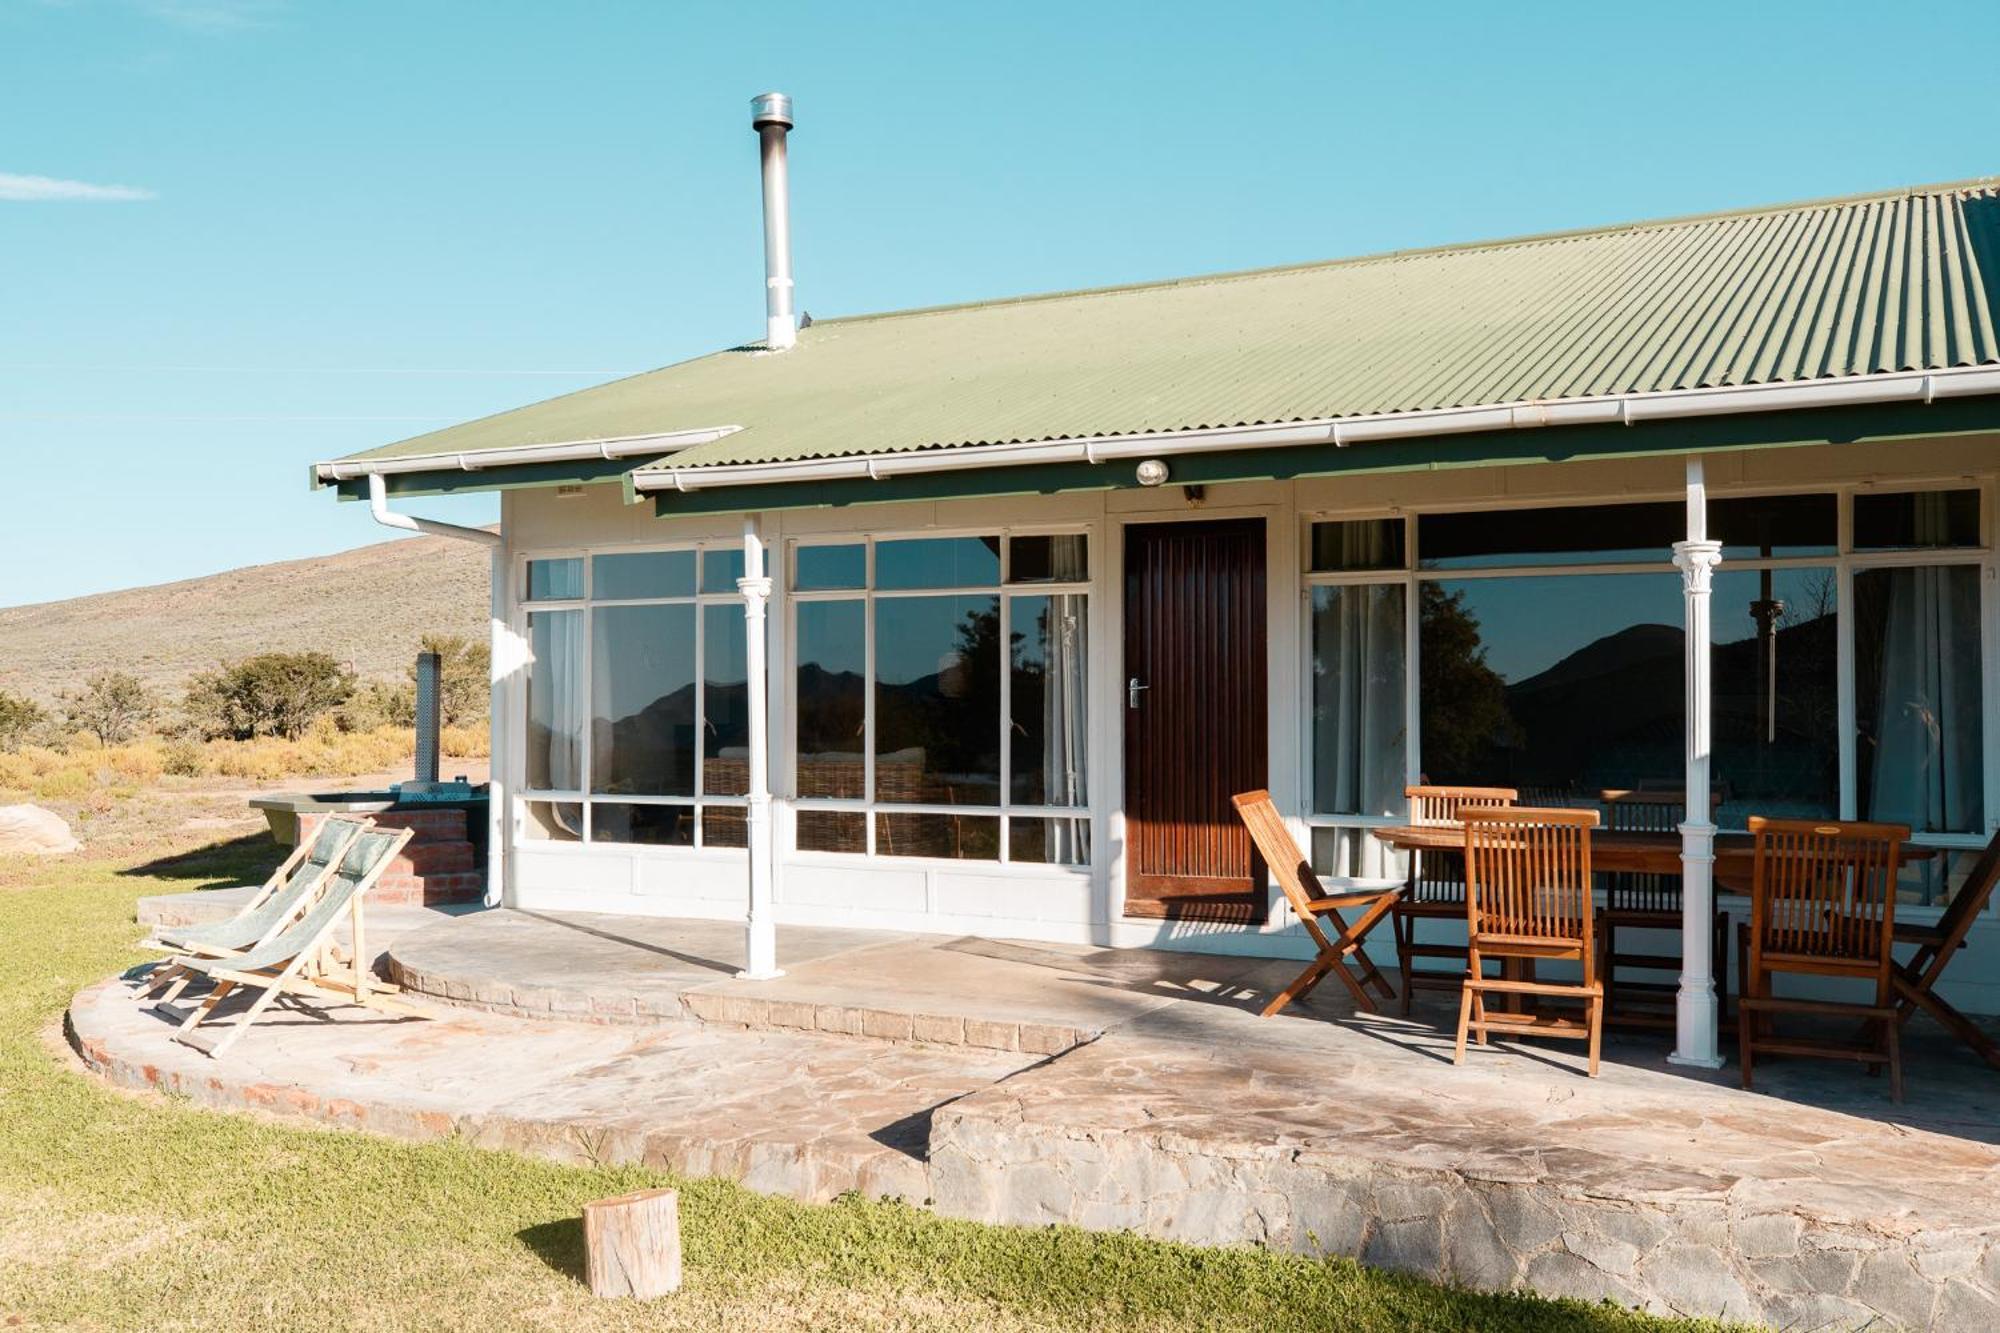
1824, 290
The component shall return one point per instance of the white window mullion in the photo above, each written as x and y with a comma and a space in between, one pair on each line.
700, 690
868, 696
1989, 656
1843, 632
1004, 629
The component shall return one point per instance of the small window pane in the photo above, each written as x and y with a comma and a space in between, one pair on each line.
1357, 699
832, 831
555, 701
954, 837
832, 700
720, 569
645, 574
555, 580
554, 821
938, 562
647, 825
937, 700
1050, 842
725, 826
1372, 543
725, 702
1763, 526
1919, 520
1917, 698
820, 568
1775, 696
642, 700
1565, 535
1058, 559
1049, 680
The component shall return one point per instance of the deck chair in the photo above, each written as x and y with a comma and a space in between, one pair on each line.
1528, 899
1915, 981
1436, 889
1822, 903
297, 960
1314, 905
269, 909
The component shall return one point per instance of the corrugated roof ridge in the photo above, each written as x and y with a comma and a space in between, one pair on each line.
1970, 186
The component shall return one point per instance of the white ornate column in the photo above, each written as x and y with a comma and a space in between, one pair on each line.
761, 945
1695, 1008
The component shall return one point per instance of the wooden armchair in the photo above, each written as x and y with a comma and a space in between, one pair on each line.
1822, 903
1640, 901
1528, 898
1314, 905
1436, 887
1916, 981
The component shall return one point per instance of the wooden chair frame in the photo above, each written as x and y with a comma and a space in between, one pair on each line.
1822, 903
1312, 904
1432, 900
1915, 981
1649, 811
1528, 897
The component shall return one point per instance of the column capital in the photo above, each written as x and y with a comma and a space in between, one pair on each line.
1696, 562
758, 589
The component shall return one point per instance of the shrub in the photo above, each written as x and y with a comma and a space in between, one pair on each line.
110, 706
19, 719
379, 704
271, 694
464, 675
184, 757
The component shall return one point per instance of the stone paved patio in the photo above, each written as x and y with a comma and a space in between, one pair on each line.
1034, 1084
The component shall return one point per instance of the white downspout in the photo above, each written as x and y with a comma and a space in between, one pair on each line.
1694, 1007
761, 931
503, 659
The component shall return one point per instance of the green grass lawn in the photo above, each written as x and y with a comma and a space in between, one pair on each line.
121, 1211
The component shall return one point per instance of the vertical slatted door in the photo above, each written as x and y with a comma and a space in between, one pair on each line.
1195, 640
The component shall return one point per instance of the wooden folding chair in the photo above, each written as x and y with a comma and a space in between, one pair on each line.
1436, 887
1528, 899
1822, 903
1915, 981
1313, 905
1647, 901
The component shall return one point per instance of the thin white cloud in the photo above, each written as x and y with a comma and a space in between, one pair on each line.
48, 189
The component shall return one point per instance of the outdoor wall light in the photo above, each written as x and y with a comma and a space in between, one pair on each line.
1152, 472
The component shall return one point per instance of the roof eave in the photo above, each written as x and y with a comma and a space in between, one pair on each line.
569, 451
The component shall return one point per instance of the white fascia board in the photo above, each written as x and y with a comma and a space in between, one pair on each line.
476, 460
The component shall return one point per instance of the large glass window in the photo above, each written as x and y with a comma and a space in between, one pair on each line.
1358, 691
939, 697
636, 698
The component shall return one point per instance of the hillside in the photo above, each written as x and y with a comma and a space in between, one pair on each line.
367, 608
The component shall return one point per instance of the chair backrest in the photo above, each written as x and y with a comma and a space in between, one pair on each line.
1273, 840
1825, 890
1441, 805
367, 857
1646, 810
1528, 875
328, 846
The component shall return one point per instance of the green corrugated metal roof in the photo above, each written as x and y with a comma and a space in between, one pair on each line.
1834, 288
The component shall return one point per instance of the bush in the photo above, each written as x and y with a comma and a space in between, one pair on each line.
19, 720
379, 704
271, 694
464, 677
184, 757
110, 706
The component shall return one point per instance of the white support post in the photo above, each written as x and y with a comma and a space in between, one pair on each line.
505, 654
1695, 1008
761, 947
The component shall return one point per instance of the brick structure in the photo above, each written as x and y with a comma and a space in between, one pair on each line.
440, 864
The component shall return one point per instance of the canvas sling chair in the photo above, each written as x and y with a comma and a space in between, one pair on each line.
1317, 909
298, 960
269, 910
1915, 981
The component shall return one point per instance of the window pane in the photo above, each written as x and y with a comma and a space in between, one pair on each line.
555, 701
555, 580
831, 699
649, 825
554, 821
1916, 520
1775, 710
938, 562
645, 574
725, 826
822, 567
1369, 543
642, 700
1051, 842
937, 700
1050, 677
1566, 535
1058, 559
832, 831
725, 702
1559, 685
720, 568
1916, 698
1774, 525
1358, 691
1354, 852
955, 837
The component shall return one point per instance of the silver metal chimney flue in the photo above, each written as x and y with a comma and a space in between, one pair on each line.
771, 117
430, 717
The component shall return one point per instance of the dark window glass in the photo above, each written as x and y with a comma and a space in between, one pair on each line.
1051, 842
832, 700
1914, 520
819, 568
555, 821
555, 580
1058, 559
649, 825
1916, 698
955, 837
1050, 646
1357, 699
555, 701
938, 562
642, 574
642, 700
832, 831
1777, 525
725, 723
1773, 525
1369, 543
720, 569
725, 826
1774, 710
937, 700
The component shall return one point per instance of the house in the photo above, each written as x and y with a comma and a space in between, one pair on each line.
970, 619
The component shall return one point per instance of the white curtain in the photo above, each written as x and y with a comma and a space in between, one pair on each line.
1358, 692
1063, 714
555, 701
1926, 721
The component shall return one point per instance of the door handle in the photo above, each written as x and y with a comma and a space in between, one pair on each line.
1132, 688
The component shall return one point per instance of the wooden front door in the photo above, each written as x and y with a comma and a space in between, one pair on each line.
1195, 722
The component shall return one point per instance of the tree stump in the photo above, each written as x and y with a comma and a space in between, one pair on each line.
632, 1244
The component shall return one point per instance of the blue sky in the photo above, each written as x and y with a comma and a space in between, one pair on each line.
354, 222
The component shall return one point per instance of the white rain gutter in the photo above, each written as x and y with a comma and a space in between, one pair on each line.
628, 446
503, 656
1615, 409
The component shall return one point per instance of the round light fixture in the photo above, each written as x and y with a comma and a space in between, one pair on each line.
1152, 472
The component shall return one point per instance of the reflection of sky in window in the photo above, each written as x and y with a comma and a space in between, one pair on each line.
1529, 624
917, 637
830, 636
